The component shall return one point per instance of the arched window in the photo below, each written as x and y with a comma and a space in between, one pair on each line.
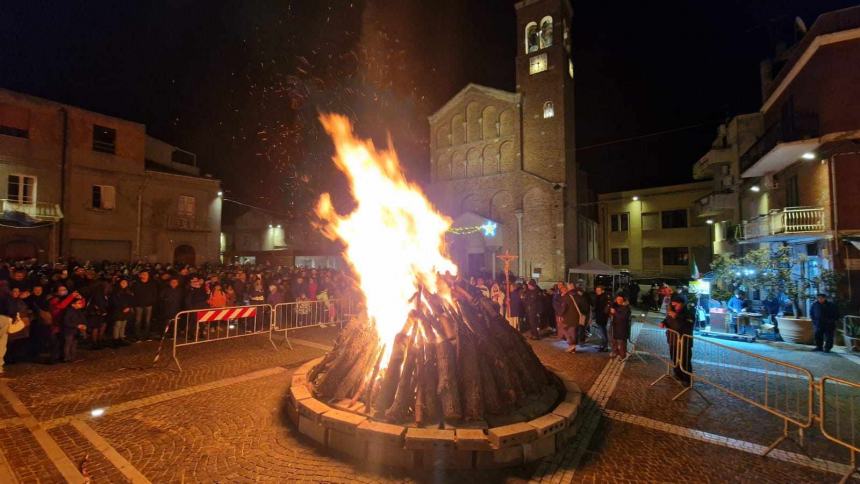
548, 110
545, 32
532, 37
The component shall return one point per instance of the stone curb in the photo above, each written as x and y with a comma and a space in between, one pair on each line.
379, 443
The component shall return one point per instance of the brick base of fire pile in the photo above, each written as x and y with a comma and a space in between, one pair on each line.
377, 443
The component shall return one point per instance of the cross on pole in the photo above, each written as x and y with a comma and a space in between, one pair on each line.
507, 258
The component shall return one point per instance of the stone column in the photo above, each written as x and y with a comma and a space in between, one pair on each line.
519, 215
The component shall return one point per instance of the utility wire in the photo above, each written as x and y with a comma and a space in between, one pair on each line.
255, 207
649, 135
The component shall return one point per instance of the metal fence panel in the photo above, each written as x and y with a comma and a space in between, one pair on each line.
198, 326
839, 404
307, 314
657, 342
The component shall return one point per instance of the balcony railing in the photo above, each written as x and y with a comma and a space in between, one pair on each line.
790, 220
37, 210
188, 223
798, 127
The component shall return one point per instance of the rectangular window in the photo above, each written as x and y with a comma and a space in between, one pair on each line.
14, 121
621, 256
187, 206
21, 189
537, 64
104, 139
104, 197
650, 221
620, 222
676, 256
674, 219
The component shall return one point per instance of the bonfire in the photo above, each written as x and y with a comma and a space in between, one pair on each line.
425, 350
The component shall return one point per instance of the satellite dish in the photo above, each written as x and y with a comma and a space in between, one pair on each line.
799, 25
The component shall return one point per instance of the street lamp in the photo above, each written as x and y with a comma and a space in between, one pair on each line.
808, 155
755, 189
635, 198
710, 221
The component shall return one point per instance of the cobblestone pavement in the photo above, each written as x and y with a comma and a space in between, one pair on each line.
222, 419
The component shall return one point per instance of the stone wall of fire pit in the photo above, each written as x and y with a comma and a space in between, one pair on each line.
377, 443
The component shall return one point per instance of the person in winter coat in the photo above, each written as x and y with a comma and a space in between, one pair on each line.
196, 297
516, 306
97, 314
258, 295
121, 305
679, 319
74, 322
824, 315
498, 298
170, 299
601, 315
217, 298
573, 318
532, 307
145, 297
621, 318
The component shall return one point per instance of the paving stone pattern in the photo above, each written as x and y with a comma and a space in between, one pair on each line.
223, 420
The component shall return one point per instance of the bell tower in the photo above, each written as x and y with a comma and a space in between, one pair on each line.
545, 84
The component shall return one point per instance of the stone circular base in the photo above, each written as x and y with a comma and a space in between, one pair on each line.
378, 443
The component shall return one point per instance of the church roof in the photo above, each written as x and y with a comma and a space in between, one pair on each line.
500, 94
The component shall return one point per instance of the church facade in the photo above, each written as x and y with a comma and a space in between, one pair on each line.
507, 159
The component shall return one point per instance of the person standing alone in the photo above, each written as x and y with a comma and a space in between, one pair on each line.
824, 315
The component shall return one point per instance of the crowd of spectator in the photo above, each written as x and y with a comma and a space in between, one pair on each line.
108, 304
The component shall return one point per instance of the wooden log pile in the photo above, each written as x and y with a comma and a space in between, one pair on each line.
452, 363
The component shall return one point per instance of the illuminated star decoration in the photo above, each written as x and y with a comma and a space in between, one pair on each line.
489, 228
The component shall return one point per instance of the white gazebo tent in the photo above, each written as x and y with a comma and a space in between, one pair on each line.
595, 267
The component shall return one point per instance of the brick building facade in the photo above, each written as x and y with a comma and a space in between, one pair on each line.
509, 158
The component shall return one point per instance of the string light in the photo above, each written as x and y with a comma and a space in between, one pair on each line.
488, 228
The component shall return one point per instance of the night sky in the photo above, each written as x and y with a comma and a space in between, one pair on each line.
241, 82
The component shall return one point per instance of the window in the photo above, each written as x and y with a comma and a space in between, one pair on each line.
548, 110
546, 32
674, 219
621, 257
676, 256
104, 197
620, 222
532, 38
537, 64
14, 121
104, 139
650, 221
21, 189
187, 206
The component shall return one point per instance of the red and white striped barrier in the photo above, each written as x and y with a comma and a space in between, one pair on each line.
226, 314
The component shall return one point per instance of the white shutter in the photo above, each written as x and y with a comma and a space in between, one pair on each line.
108, 197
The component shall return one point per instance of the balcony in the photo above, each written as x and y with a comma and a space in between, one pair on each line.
42, 211
781, 145
715, 203
187, 223
784, 224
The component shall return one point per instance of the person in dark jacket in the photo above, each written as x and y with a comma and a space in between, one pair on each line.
97, 314
601, 315
145, 292
196, 297
170, 300
572, 319
679, 319
621, 319
824, 315
516, 306
74, 322
121, 305
532, 307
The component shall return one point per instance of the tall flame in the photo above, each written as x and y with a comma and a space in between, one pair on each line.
394, 238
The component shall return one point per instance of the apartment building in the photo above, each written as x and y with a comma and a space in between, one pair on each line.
654, 232
95, 187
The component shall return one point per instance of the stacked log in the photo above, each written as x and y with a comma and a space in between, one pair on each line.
452, 363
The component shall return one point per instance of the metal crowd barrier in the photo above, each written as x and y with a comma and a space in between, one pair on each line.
307, 314
658, 343
198, 326
779, 388
839, 405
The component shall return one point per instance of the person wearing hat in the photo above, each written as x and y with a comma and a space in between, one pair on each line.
679, 319
824, 315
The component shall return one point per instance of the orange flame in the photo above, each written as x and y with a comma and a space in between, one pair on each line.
394, 238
